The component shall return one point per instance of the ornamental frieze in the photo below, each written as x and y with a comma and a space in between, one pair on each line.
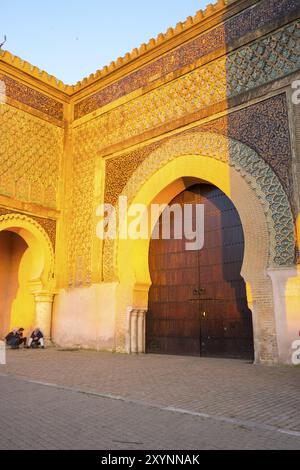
244, 160
30, 155
250, 20
119, 170
33, 98
270, 58
262, 126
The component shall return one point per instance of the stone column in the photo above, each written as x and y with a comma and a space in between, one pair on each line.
141, 331
133, 331
43, 313
260, 300
137, 326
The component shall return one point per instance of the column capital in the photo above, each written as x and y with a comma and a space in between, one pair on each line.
35, 286
43, 297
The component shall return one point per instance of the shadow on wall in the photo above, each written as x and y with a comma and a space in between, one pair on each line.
16, 303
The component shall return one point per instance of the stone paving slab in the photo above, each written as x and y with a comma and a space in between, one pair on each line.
49, 417
234, 389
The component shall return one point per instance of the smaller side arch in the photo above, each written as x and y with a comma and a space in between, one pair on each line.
38, 240
38, 283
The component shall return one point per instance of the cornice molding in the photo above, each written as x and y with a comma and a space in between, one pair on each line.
33, 71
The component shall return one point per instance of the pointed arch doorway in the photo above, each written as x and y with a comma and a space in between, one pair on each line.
26, 275
197, 300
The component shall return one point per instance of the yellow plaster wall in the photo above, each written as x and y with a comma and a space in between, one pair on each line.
23, 306
12, 249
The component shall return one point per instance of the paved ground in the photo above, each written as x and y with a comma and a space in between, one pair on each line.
85, 399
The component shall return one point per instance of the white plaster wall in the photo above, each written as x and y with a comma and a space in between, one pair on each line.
85, 317
286, 293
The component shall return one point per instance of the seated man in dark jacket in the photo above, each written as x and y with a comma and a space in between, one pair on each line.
36, 339
15, 338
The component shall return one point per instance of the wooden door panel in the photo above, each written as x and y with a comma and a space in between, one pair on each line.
197, 301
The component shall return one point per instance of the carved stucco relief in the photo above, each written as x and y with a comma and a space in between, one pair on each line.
248, 163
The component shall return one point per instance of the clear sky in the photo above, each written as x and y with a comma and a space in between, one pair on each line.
73, 38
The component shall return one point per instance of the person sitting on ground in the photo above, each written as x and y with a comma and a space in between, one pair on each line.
15, 338
36, 339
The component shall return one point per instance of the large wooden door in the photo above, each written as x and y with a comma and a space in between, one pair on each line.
197, 300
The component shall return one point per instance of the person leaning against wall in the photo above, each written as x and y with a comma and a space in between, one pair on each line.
15, 338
